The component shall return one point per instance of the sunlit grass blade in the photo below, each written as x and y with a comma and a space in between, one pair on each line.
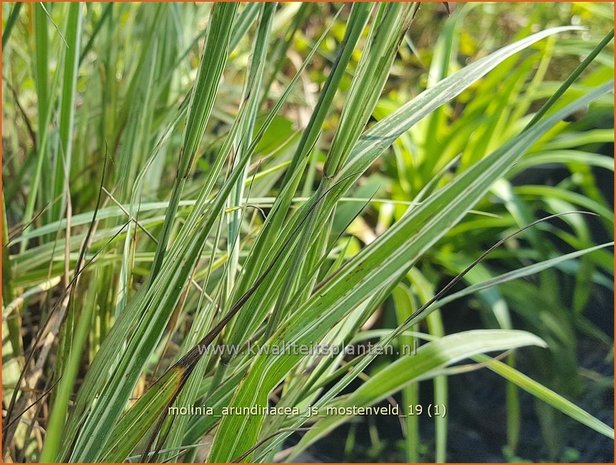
411, 368
212, 65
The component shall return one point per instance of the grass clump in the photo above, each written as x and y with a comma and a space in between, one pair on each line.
197, 196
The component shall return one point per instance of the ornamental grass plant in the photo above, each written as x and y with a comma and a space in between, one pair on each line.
304, 213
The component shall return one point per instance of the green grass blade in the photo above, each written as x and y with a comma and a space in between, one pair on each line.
212, 65
519, 273
427, 361
546, 395
62, 167
10, 23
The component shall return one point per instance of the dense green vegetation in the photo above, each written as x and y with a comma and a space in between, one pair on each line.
183, 177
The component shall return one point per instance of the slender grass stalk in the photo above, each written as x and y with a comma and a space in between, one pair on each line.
405, 307
62, 166
215, 56
251, 95
44, 101
105, 16
8, 292
436, 329
10, 23
77, 342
